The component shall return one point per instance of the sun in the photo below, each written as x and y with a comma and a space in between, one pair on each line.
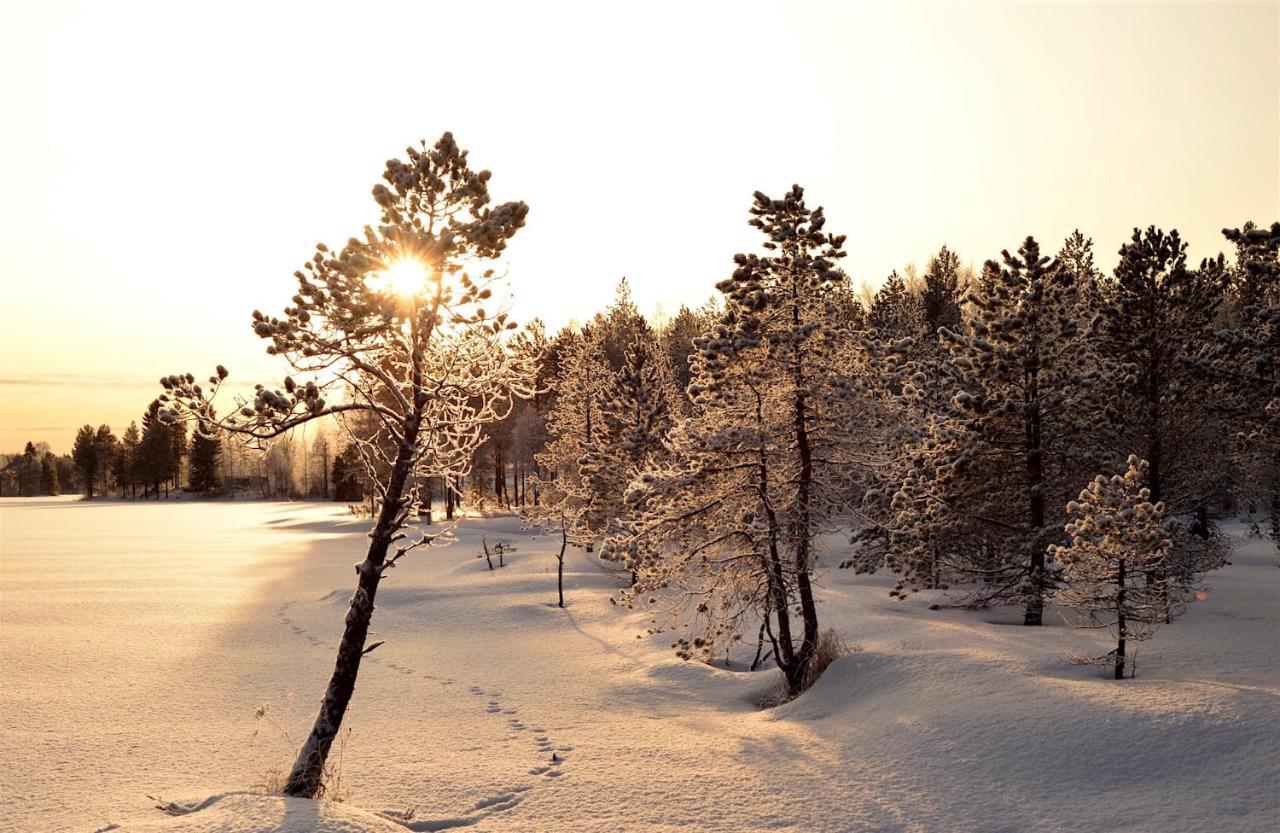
406, 277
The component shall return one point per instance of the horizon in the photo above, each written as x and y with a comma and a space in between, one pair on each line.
175, 168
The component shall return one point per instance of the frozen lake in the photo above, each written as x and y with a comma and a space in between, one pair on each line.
131, 662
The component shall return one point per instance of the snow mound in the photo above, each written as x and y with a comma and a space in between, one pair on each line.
252, 813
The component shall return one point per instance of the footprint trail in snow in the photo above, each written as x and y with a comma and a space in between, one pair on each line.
549, 756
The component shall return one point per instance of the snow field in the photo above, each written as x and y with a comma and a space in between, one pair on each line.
138, 641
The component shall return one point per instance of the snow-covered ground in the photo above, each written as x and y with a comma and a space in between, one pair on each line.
137, 640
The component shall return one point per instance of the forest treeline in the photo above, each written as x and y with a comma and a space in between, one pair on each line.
977, 430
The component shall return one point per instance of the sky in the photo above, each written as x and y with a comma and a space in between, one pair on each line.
164, 168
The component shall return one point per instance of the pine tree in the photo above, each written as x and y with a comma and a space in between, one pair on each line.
49, 475
85, 455
105, 442
202, 472
986, 477
565, 497
126, 463
894, 313
619, 326
677, 341
396, 319
940, 300
634, 419
29, 471
1118, 538
769, 457
177, 451
1244, 362
348, 476
1156, 314
154, 463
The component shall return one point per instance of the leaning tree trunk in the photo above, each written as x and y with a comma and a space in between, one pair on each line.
307, 776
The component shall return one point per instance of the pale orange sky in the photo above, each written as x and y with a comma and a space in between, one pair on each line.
166, 167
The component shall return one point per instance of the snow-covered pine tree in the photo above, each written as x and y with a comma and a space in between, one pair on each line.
985, 477
1117, 540
635, 415
770, 456
1156, 312
1076, 255
401, 321
894, 313
677, 341
1244, 360
617, 328
943, 288
564, 497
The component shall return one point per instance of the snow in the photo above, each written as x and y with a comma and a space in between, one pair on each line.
138, 639
250, 813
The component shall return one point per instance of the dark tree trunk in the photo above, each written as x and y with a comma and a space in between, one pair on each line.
1034, 612
497, 473
324, 456
564, 542
784, 654
764, 626
1121, 625
802, 534
1275, 510
307, 776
